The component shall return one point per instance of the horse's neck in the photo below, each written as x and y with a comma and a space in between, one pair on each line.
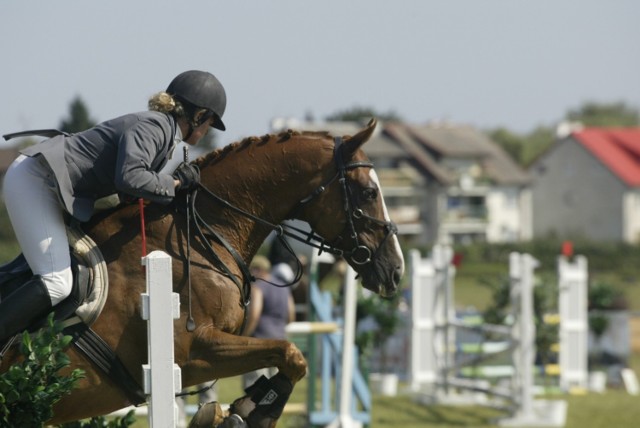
268, 182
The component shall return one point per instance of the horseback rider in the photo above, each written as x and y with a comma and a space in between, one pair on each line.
68, 173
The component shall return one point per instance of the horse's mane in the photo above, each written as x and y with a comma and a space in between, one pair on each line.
247, 141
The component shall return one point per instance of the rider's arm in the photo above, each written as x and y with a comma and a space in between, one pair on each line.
138, 151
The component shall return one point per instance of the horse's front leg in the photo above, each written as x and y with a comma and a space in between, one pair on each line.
229, 355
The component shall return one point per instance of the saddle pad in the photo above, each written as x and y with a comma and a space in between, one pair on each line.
89, 254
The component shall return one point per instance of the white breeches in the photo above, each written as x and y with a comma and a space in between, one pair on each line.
36, 215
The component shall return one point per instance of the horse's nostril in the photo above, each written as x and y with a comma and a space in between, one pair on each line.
397, 275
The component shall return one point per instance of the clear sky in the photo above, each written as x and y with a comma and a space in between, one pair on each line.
487, 63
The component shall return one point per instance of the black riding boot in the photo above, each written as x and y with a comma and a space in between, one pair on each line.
19, 309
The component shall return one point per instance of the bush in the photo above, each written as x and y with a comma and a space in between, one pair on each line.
384, 314
544, 302
30, 388
603, 256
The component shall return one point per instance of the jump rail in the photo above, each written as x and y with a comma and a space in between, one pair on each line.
433, 340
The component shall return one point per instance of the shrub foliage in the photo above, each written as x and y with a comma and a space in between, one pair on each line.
30, 388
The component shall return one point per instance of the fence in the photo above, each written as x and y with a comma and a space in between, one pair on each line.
434, 328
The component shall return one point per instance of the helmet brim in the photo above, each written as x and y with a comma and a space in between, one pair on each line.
217, 123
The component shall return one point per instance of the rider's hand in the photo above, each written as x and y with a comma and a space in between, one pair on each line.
188, 175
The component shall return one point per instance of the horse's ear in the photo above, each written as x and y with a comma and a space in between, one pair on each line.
352, 144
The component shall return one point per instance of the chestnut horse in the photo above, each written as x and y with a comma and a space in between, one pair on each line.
247, 189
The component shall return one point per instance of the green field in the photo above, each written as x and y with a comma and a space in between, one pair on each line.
614, 409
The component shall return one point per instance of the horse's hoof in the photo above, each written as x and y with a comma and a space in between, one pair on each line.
208, 415
242, 406
233, 421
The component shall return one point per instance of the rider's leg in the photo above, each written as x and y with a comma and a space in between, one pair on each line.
29, 302
37, 219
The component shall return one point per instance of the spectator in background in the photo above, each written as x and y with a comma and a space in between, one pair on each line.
270, 310
283, 261
284, 268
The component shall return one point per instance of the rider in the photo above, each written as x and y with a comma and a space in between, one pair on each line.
69, 173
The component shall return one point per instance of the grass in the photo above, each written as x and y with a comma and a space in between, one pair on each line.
613, 409
469, 290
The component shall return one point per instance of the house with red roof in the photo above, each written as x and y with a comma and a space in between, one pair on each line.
587, 185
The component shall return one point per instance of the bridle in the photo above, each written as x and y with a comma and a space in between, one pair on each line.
359, 253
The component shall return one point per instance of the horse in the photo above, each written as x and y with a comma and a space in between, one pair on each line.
248, 190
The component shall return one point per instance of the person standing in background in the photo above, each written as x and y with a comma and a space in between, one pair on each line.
270, 310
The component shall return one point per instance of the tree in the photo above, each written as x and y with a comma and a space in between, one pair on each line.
78, 119
510, 142
362, 114
523, 148
605, 115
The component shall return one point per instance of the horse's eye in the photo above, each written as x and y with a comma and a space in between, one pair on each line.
369, 194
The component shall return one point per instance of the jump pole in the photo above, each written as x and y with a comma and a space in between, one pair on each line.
530, 412
432, 313
345, 419
574, 324
161, 376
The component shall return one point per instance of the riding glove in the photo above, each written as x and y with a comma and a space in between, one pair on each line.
188, 175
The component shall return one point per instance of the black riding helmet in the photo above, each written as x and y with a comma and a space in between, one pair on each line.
202, 89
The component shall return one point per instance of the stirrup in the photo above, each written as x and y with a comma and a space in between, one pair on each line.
4, 347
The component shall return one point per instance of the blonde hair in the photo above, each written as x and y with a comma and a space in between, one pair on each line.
166, 103
162, 102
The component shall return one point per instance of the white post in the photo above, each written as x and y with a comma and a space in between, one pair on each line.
444, 307
574, 327
529, 412
521, 268
349, 328
432, 310
162, 378
423, 358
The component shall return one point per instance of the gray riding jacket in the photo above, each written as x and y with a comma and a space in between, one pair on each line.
122, 155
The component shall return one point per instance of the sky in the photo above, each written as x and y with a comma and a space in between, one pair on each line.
485, 63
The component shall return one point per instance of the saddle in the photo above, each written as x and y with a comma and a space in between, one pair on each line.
81, 309
90, 281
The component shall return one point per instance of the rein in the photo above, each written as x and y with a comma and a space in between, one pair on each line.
359, 254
